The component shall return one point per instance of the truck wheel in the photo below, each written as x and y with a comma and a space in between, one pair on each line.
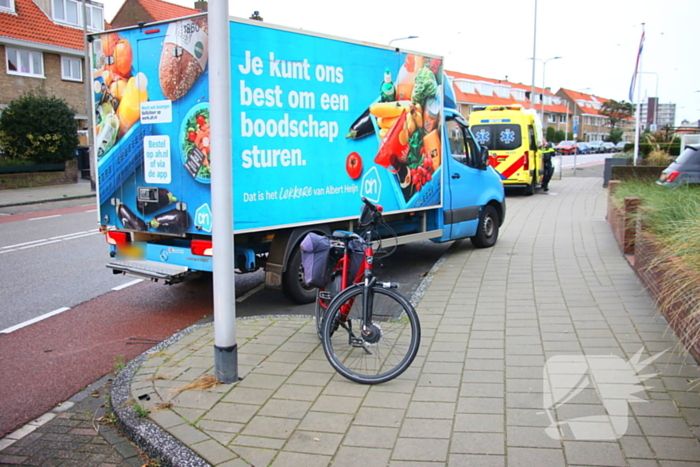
487, 231
530, 189
293, 285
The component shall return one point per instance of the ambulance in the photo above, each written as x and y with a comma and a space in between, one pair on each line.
513, 136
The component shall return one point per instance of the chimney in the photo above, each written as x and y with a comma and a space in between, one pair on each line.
201, 5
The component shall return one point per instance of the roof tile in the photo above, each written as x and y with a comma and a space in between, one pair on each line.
31, 24
160, 10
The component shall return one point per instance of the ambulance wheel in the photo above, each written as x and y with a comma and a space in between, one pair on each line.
487, 231
293, 285
530, 189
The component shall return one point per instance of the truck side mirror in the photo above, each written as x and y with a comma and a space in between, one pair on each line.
484, 158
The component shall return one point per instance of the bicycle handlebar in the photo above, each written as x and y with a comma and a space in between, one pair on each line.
373, 207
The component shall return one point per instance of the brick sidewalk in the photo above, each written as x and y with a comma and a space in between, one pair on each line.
554, 294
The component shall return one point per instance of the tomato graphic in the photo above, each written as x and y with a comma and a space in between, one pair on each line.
353, 165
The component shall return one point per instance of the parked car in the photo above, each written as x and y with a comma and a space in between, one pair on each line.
685, 169
621, 146
583, 148
566, 147
595, 146
608, 147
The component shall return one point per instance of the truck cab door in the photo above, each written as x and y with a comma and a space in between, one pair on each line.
466, 177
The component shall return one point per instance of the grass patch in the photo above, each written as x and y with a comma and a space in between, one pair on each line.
671, 214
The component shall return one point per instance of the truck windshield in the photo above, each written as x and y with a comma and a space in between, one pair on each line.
498, 137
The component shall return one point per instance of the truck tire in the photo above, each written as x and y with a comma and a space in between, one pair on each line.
530, 189
293, 286
487, 231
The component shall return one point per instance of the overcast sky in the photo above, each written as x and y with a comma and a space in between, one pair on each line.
597, 39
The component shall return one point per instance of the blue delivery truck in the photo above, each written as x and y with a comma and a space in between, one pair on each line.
317, 123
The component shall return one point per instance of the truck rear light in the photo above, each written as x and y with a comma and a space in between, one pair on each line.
117, 238
672, 176
526, 160
201, 247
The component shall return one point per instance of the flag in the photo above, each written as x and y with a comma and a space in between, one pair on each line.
636, 66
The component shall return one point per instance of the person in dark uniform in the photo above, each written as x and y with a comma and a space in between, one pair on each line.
548, 153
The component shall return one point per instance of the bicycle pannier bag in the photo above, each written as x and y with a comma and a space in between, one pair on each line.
357, 255
315, 251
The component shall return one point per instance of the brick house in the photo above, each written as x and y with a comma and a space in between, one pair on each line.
476, 91
592, 126
134, 11
42, 45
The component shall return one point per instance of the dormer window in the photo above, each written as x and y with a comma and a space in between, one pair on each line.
70, 12
7, 6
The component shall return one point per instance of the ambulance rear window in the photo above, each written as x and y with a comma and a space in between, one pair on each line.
498, 136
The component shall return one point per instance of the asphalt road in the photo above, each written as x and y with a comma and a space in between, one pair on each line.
54, 259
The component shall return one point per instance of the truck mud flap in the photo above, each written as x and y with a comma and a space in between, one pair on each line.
169, 273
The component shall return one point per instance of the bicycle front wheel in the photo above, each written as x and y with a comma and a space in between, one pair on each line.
382, 351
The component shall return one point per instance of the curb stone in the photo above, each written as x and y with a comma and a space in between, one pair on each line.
148, 436
151, 438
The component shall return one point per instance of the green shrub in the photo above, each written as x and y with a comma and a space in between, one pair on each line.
672, 214
38, 128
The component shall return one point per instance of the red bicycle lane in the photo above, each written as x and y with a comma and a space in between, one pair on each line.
47, 362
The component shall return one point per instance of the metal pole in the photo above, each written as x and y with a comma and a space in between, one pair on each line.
90, 107
225, 347
544, 65
534, 58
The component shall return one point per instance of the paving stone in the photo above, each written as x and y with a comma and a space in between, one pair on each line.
295, 459
681, 449
529, 457
420, 449
348, 456
270, 427
479, 423
326, 422
594, 453
371, 437
313, 442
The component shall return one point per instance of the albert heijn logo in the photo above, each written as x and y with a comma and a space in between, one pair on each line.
371, 187
203, 218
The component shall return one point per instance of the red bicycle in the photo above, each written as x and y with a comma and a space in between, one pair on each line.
370, 332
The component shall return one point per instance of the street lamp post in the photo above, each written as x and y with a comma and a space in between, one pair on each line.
403, 39
544, 65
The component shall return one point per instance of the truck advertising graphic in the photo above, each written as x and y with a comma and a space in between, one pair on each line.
317, 122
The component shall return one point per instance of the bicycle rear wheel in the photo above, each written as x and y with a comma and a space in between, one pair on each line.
388, 347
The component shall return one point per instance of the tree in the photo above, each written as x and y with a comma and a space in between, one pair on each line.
616, 111
616, 135
38, 128
560, 136
551, 135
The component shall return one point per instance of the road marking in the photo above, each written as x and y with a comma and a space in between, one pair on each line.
128, 284
45, 217
48, 241
249, 293
34, 320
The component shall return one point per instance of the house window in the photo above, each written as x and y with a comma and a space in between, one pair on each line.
24, 62
95, 18
71, 69
70, 12
7, 5
518, 94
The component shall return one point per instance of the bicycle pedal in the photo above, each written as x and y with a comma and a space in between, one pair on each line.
324, 295
389, 285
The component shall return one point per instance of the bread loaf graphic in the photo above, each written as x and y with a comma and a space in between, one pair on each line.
184, 56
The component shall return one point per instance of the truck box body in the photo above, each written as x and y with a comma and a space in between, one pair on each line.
310, 136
